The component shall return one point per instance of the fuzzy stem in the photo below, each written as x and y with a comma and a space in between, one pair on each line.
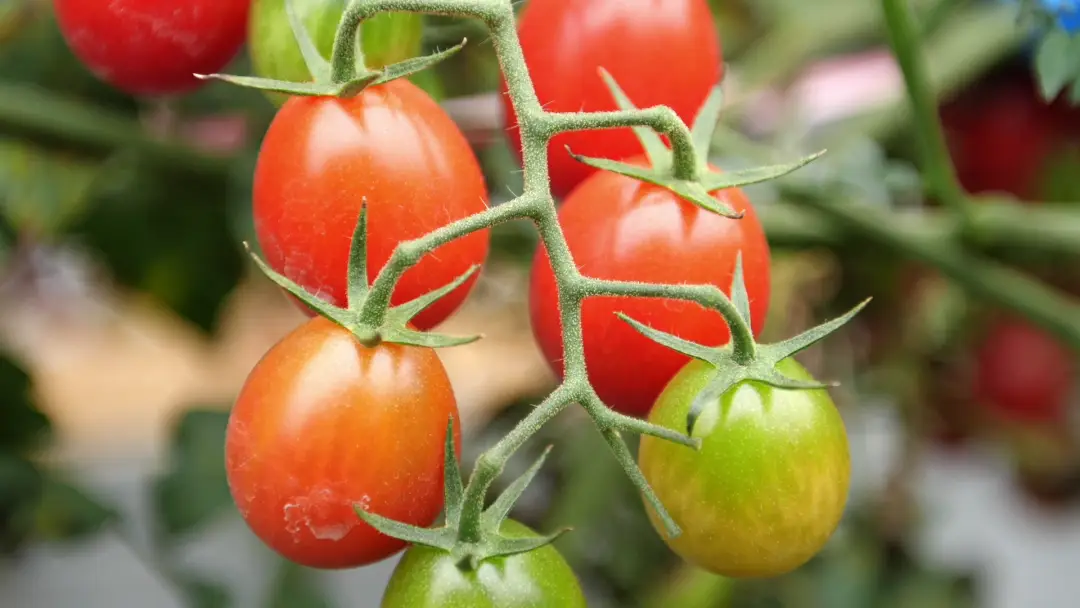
536, 203
490, 464
937, 164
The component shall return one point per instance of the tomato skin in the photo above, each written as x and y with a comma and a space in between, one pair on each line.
322, 424
620, 228
1023, 372
769, 484
274, 50
659, 56
153, 47
428, 578
391, 144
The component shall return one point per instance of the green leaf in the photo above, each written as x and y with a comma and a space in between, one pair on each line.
165, 232
68, 513
21, 485
1057, 62
204, 594
42, 190
195, 488
297, 587
22, 425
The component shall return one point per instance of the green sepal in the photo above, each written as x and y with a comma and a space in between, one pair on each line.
409, 67
739, 297
304, 89
317, 65
693, 192
707, 118
655, 150
761, 367
453, 490
786, 348
351, 88
503, 547
394, 326
713, 181
441, 538
493, 517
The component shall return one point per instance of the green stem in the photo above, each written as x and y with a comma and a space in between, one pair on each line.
906, 43
491, 463
34, 111
742, 338
980, 276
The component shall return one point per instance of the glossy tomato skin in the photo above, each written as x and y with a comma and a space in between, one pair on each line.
621, 228
392, 145
660, 53
769, 484
429, 578
323, 424
1023, 372
153, 47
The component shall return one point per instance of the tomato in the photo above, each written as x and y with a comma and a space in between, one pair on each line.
769, 484
274, 51
1000, 136
153, 47
392, 145
1023, 372
620, 228
429, 578
660, 53
323, 424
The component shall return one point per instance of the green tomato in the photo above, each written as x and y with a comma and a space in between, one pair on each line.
386, 38
429, 578
768, 486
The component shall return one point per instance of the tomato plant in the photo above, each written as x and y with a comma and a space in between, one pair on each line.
769, 484
621, 228
392, 146
323, 424
428, 577
1023, 371
660, 53
153, 47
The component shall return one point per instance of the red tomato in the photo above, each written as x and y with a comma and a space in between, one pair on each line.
391, 144
1000, 136
324, 423
1023, 372
621, 228
660, 52
153, 47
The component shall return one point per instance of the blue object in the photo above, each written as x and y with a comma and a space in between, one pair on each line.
1065, 12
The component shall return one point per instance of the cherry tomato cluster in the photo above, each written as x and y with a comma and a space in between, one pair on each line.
325, 424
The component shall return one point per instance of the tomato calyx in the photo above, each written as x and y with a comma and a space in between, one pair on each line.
736, 365
348, 76
368, 314
686, 172
469, 543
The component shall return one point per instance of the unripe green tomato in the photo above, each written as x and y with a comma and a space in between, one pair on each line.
429, 578
386, 38
769, 484
274, 50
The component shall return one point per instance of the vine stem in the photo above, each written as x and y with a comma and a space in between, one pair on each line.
537, 204
904, 36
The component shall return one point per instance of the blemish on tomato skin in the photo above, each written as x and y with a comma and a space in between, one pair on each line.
303, 512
